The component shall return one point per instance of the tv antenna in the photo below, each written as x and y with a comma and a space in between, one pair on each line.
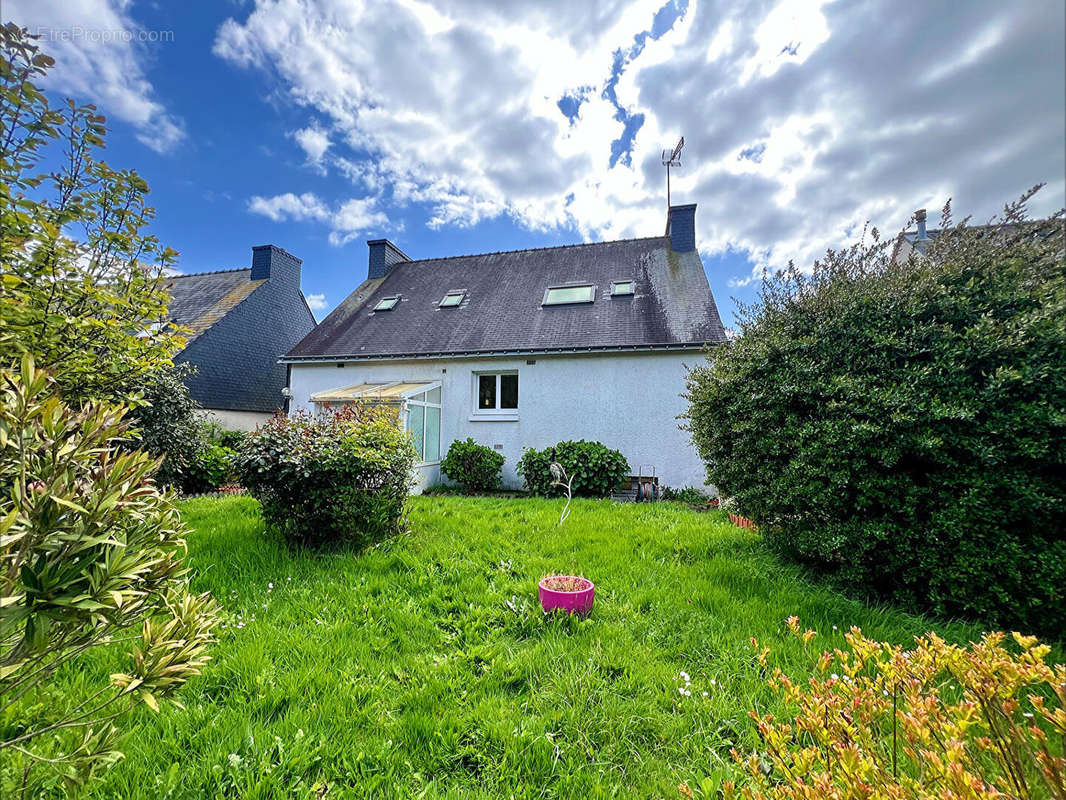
672, 158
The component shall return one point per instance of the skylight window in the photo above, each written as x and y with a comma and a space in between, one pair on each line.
452, 299
563, 295
387, 303
622, 288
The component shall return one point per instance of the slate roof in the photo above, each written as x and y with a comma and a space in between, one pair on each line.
199, 300
502, 312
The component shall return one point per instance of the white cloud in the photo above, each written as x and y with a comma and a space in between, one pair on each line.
101, 53
348, 221
316, 302
314, 142
286, 206
856, 112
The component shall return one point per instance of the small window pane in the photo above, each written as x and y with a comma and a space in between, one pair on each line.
432, 434
486, 391
622, 287
419, 398
452, 299
433, 395
508, 391
416, 423
569, 294
387, 304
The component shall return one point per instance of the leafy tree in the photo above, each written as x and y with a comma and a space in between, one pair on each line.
899, 423
90, 556
88, 307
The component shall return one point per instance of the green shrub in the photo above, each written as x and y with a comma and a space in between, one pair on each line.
340, 478
900, 425
596, 469
216, 434
686, 494
213, 467
165, 425
473, 466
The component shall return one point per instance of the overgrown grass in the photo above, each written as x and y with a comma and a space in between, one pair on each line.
424, 667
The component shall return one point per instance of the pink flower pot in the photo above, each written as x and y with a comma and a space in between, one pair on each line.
579, 602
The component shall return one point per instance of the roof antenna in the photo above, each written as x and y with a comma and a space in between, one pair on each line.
672, 159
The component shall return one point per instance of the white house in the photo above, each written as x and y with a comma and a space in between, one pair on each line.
525, 348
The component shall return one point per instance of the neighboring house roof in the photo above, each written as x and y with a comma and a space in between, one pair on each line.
199, 300
240, 321
502, 309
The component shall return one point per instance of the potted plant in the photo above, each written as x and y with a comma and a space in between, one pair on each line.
571, 593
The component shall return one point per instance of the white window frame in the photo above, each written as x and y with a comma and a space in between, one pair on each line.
590, 286
395, 302
629, 282
425, 404
443, 301
497, 413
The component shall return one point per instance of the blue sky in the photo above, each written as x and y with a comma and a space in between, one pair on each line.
467, 126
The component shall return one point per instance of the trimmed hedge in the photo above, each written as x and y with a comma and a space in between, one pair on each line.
596, 469
473, 466
340, 478
901, 426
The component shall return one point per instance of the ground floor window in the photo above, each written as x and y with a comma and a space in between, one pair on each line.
423, 421
497, 391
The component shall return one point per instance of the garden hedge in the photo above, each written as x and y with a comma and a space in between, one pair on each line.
899, 423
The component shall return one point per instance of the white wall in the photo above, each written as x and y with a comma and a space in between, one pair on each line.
234, 420
630, 402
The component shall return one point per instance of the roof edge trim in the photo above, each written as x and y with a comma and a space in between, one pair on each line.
624, 348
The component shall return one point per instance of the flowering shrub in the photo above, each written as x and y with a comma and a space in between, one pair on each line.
473, 466
595, 468
341, 477
935, 721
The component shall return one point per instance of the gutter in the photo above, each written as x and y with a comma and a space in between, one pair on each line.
626, 348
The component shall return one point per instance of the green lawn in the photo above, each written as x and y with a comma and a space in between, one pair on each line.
424, 668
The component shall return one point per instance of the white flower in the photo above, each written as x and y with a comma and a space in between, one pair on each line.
834, 627
714, 682
684, 677
705, 694
270, 587
681, 690
835, 677
234, 760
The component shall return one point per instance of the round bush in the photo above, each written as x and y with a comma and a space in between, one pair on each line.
473, 466
900, 425
340, 478
595, 468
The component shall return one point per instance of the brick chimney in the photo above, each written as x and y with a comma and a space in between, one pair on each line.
271, 263
681, 228
384, 255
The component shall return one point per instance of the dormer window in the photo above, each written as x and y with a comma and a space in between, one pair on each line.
452, 299
623, 288
387, 303
565, 295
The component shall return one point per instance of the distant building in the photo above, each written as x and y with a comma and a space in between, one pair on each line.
241, 322
525, 348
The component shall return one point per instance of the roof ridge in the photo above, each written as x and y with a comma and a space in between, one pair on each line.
209, 272
532, 249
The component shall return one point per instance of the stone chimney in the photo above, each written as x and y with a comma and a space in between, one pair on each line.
271, 263
681, 228
384, 255
919, 216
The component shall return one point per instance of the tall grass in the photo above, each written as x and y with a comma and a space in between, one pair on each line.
424, 667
